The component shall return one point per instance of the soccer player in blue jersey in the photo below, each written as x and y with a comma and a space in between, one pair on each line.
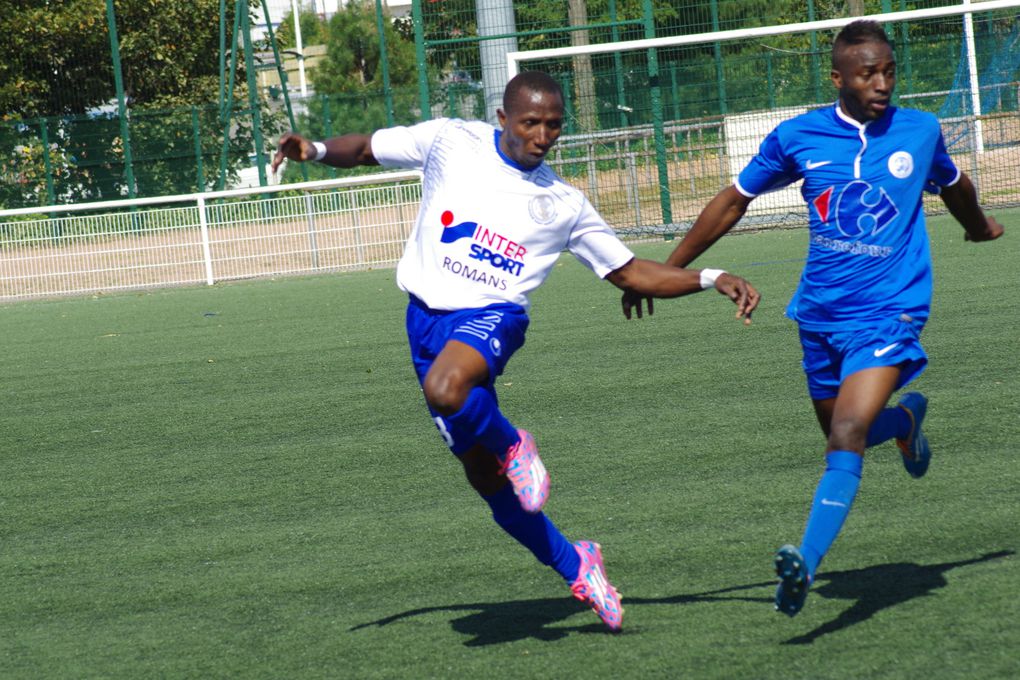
493, 221
865, 291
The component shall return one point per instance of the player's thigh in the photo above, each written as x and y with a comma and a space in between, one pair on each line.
494, 332
894, 343
822, 364
863, 394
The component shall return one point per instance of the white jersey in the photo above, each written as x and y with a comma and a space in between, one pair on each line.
487, 231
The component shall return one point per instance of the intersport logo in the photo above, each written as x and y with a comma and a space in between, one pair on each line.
489, 246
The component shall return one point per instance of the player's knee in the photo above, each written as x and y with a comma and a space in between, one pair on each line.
444, 392
847, 434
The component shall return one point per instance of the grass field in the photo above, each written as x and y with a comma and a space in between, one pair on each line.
242, 481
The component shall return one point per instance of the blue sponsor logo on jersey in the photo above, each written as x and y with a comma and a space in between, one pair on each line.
860, 209
490, 247
454, 232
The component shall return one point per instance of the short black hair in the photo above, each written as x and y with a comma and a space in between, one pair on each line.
857, 32
533, 81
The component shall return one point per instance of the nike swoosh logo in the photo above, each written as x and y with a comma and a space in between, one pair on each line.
826, 501
816, 164
884, 350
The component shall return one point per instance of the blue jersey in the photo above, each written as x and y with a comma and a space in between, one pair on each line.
868, 257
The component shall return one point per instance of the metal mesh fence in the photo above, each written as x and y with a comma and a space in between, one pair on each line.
337, 225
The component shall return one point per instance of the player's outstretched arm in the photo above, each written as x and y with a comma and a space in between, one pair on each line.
651, 279
961, 199
346, 151
716, 218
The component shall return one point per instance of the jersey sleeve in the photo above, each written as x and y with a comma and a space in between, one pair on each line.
405, 146
943, 172
769, 170
596, 245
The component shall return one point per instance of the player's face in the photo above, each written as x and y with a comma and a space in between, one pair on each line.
531, 126
865, 76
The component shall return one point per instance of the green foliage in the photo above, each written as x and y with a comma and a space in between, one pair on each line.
58, 54
353, 59
313, 29
169, 53
56, 57
349, 80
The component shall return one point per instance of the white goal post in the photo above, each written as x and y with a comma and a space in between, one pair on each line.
514, 59
966, 8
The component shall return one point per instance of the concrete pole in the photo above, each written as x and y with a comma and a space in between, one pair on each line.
295, 10
495, 18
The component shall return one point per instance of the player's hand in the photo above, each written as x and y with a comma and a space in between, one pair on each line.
295, 147
741, 292
993, 230
635, 301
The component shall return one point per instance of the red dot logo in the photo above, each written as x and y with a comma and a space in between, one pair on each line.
446, 218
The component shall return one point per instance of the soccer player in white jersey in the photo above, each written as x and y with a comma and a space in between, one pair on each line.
493, 221
865, 291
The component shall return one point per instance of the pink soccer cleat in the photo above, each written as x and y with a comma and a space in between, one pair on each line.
526, 473
594, 589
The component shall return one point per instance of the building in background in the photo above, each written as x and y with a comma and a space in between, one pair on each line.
278, 9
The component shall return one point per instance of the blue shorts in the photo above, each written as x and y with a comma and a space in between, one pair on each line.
831, 356
496, 332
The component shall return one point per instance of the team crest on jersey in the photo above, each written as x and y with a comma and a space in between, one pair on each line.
901, 164
542, 209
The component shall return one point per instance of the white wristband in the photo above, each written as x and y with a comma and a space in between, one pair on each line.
708, 277
320, 151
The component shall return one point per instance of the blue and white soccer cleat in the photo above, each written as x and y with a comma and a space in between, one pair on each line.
794, 580
915, 449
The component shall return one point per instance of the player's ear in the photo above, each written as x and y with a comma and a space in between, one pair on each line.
837, 78
501, 117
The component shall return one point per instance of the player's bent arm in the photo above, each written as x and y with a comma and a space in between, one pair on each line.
648, 278
717, 218
349, 151
346, 151
962, 201
655, 279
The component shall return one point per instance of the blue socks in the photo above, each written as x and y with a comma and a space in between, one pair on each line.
534, 532
891, 422
833, 498
480, 420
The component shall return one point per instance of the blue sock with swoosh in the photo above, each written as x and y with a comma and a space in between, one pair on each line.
833, 498
891, 422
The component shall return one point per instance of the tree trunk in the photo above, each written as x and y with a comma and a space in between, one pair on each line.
584, 80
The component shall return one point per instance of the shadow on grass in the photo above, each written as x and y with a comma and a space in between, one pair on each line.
880, 587
490, 623
873, 589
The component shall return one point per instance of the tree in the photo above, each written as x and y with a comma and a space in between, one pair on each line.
313, 29
57, 76
349, 79
57, 55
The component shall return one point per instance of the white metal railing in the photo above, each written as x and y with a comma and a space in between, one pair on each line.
337, 224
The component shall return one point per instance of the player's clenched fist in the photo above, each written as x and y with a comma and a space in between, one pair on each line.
294, 147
